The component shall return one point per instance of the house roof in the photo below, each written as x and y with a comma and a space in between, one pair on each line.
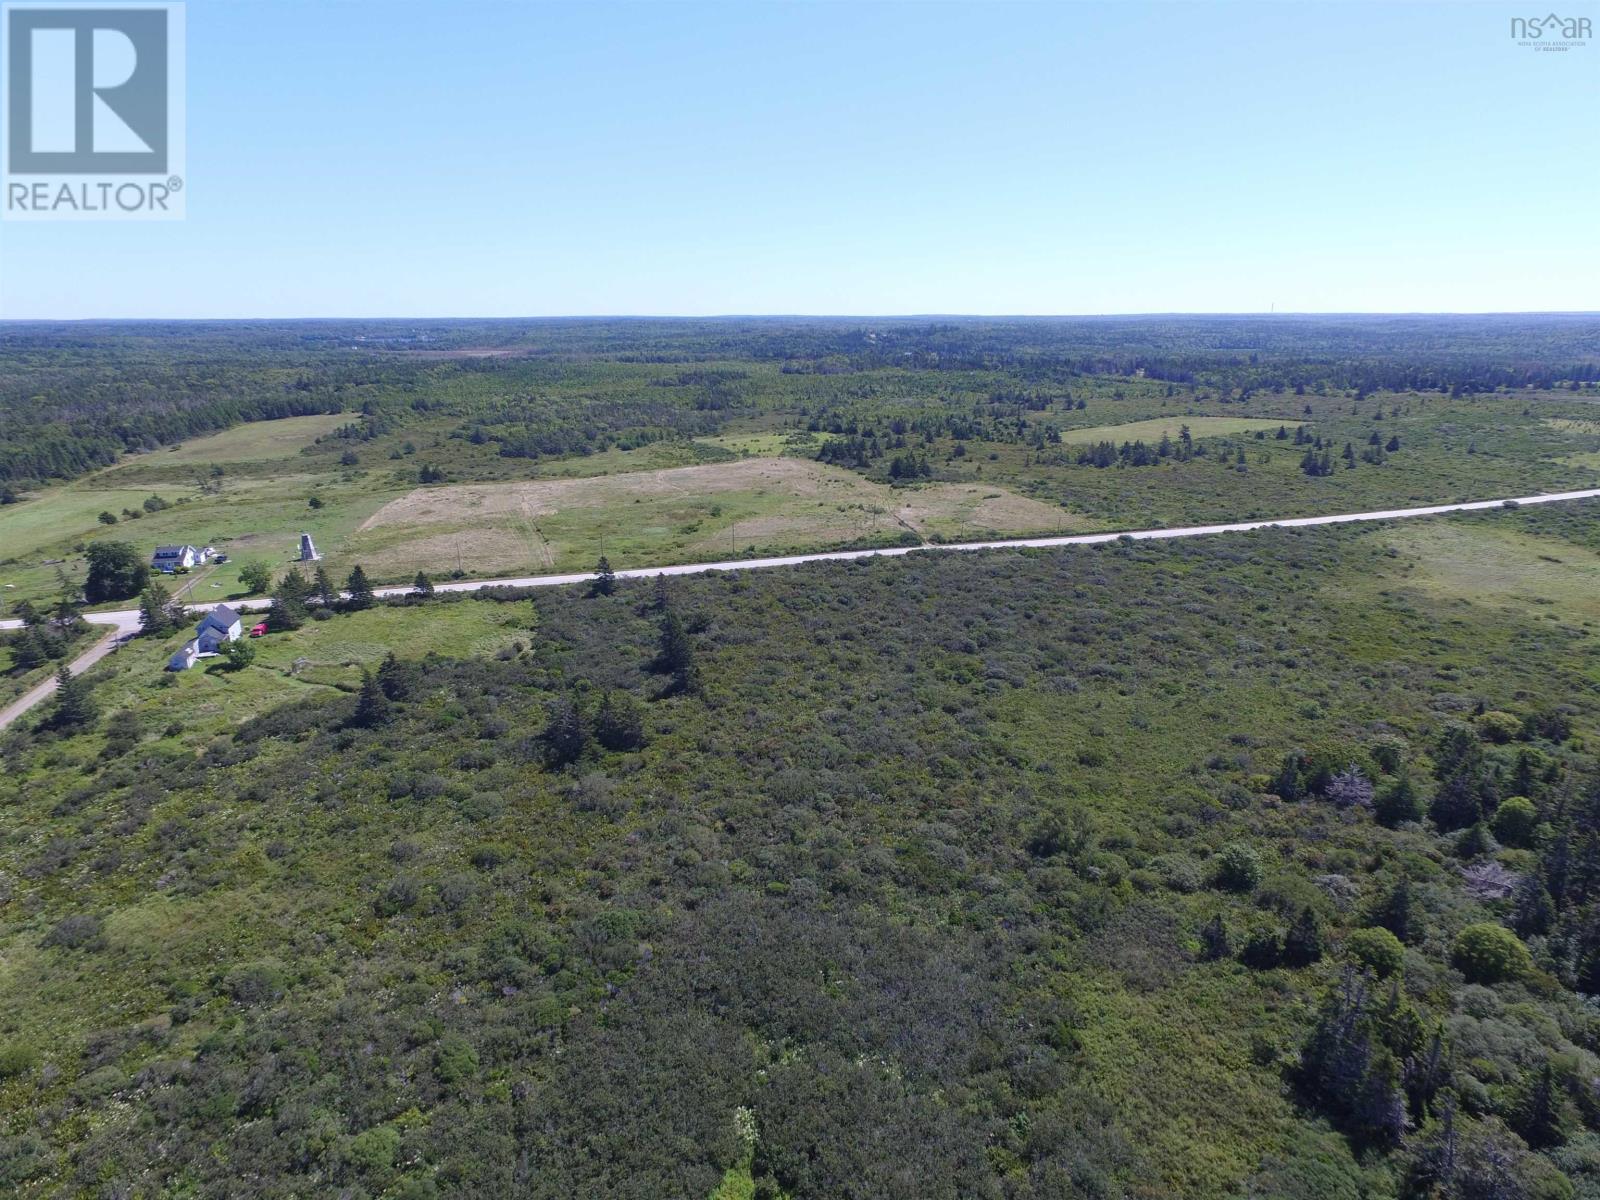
165, 551
221, 615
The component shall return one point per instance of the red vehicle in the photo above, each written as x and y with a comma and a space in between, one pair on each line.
258, 630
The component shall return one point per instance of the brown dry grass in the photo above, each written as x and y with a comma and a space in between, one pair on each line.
677, 515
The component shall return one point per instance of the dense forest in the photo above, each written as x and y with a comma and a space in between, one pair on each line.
1236, 867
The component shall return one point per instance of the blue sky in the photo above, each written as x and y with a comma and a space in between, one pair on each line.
380, 158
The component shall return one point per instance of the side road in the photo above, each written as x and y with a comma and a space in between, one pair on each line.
125, 623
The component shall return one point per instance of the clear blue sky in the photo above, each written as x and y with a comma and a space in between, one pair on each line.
384, 158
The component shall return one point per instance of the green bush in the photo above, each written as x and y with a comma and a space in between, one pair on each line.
1488, 953
1237, 868
374, 1150
1499, 727
1376, 949
17, 1058
1515, 820
455, 1060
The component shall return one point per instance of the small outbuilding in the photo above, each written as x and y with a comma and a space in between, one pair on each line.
186, 657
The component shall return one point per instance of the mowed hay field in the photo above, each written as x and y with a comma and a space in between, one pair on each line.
765, 505
256, 441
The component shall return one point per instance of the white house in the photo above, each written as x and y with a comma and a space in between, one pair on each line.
218, 627
169, 558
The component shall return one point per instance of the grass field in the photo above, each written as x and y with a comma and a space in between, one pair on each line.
320, 657
754, 487
766, 445
1151, 431
255, 441
1499, 565
764, 505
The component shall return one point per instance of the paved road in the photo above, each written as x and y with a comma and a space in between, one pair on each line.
127, 621
122, 629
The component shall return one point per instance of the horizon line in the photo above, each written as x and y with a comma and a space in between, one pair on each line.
821, 316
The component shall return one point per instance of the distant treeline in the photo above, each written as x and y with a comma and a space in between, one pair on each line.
75, 396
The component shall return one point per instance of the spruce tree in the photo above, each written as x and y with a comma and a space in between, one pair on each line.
1215, 944
29, 649
619, 723
288, 611
1303, 945
397, 679
158, 615
1396, 911
564, 734
75, 707
1537, 1114
322, 589
422, 585
372, 706
361, 593
605, 579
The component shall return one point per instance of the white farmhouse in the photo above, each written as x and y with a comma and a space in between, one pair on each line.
168, 559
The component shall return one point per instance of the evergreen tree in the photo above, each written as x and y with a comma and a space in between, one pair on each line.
75, 707
619, 723
29, 649
677, 653
1398, 802
1533, 912
398, 680
1215, 944
322, 589
372, 706
158, 615
1304, 943
1537, 1112
564, 735
1396, 911
1459, 802
605, 579
361, 593
288, 611
422, 585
